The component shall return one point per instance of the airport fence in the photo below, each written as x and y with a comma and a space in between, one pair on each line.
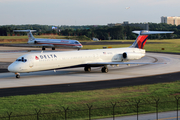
112, 110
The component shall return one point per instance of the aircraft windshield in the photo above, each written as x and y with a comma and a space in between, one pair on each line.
22, 60
76, 42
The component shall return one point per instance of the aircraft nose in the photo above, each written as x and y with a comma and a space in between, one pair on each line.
80, 46
12, 68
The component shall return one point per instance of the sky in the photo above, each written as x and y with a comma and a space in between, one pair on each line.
85, 12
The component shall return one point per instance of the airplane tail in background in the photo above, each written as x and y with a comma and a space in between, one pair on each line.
143, 36
29, 33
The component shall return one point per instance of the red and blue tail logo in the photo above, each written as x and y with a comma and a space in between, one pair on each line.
141, 41
143, 36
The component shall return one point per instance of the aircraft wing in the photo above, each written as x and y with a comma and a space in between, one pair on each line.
46, 45
120, 63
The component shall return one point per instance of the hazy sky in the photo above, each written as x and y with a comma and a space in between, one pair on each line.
85, 12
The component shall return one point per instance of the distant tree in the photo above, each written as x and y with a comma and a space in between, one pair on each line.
101, 31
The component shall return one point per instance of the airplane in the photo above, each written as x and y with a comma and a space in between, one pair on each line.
95, 39
83, 58
52, 43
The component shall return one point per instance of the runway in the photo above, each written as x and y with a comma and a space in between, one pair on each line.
66, 80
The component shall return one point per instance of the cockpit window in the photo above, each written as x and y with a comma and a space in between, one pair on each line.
76, 42
22, 60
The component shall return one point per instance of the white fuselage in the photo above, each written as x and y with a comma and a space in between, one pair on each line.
57, 43
55, 60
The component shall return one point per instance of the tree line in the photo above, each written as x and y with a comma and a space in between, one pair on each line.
102, 32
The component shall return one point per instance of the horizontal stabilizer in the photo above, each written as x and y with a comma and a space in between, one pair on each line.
29, 34
146, 32
143, 37
24, 30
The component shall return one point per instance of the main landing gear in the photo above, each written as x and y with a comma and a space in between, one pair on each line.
87, 69
104, 69
17, 75
43, 48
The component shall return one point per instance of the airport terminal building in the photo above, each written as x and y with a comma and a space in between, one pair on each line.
171, 20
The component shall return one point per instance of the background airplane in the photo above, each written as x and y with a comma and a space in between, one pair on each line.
83, 58
52, 43
95, 39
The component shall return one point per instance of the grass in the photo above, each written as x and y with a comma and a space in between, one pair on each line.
98, 98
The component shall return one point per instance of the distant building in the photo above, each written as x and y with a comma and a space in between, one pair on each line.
171, 20
144, 26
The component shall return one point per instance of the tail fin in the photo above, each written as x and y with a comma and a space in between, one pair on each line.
143, 36
29, 33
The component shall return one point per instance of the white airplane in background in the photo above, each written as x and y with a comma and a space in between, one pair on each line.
52, 43
83, 58
95, 39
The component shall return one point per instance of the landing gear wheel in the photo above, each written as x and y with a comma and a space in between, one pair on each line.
53, 48
17, 76
43, 48
87, 69
104, 70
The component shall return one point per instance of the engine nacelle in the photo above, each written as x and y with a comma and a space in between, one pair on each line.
132, 56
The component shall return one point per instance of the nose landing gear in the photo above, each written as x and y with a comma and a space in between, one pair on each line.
17, 75
104, 69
